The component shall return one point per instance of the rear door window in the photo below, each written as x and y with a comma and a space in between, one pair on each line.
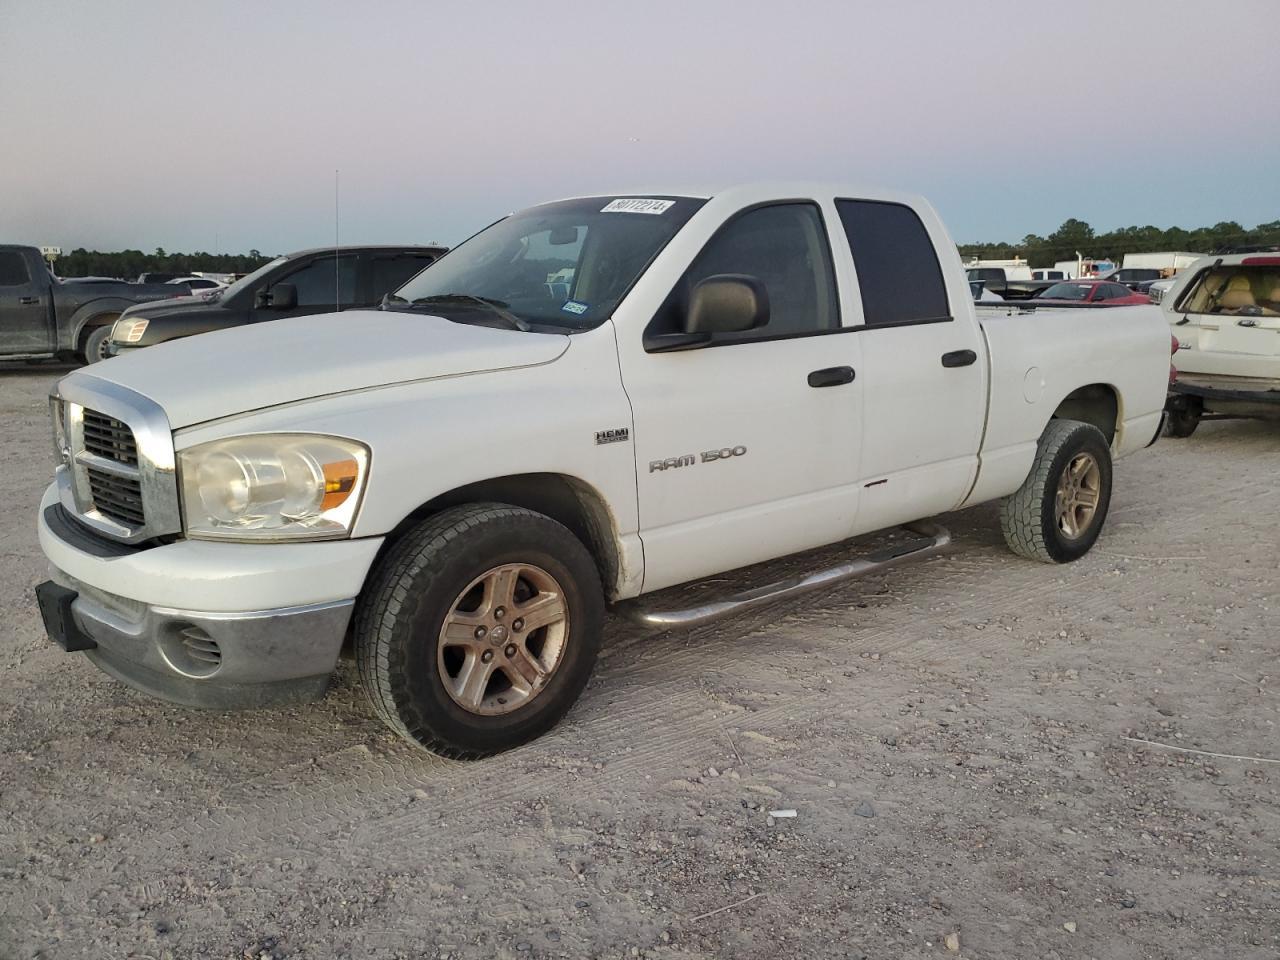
898, 270
390, 273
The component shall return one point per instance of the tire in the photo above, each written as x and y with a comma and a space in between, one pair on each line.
95, 343
455, 568
1036, 524
1181, 423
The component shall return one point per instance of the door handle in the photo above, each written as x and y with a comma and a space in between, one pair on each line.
959, 358
831, 377
29, 301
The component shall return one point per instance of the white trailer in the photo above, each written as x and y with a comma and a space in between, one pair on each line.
1015, 269
1174, 261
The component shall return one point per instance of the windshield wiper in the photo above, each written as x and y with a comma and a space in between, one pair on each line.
496, 307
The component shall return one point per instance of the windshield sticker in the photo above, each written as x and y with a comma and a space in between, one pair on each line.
575, 307
638, 205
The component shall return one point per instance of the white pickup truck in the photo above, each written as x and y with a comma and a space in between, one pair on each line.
587, 402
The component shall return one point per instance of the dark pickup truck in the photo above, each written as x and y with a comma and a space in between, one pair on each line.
310, 281
42, 317
996, 280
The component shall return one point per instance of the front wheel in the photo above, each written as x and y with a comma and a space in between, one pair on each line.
95, 344
1058, 512
478, 630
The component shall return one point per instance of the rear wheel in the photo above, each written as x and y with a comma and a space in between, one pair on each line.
479, 629
1181, 422
95, 344
1058, 512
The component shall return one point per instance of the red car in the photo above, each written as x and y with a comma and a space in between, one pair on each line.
1090, 291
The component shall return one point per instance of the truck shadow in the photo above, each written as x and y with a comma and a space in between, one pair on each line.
10, 368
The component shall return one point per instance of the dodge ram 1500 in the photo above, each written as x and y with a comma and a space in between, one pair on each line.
587, 402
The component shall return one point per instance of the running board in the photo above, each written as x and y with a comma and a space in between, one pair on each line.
936, 538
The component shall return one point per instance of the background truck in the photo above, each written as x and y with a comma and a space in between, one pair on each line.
1174, 261
42, 317
1009, 283
1225, 313
297, 285
457, 484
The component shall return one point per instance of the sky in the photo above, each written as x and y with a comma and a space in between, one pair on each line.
219, 125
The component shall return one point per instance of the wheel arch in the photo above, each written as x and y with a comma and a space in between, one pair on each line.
96, 313
568, 500
1098, 404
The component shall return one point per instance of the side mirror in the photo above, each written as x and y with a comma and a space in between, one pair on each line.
724, 303
727, 303
283, 296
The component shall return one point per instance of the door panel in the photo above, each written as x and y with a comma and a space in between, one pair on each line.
923, 372
924, 422
24, 308
739, 458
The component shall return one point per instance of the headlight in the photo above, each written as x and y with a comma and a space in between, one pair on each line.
279, 486
129, 330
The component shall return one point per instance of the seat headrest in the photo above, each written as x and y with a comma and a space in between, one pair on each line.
1237, 295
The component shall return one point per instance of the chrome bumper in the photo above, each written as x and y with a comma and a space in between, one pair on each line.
216, 660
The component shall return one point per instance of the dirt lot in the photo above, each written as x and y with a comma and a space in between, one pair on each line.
953, 738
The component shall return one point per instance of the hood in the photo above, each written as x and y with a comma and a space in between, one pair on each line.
234, 371
177, 304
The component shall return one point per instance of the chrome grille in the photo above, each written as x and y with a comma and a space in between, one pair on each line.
117, 475
108, 437
117, 497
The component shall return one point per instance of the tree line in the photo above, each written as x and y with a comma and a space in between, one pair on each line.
128, 264
1076, 235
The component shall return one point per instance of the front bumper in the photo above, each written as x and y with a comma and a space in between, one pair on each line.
216, 625
216, 660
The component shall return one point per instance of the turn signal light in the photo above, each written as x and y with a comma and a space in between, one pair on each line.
339, 480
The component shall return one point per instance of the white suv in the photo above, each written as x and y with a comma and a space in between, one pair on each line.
1225, 314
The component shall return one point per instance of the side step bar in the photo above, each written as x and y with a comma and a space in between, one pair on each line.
933, 540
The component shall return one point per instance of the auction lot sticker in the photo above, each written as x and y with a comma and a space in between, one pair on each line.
638, 205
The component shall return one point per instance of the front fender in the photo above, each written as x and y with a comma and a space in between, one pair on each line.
85, 315
430, 438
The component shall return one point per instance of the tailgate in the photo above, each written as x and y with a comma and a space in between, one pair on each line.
1231, 333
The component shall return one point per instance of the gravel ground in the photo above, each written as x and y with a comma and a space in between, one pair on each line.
958, 740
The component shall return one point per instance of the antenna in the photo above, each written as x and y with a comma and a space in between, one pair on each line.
336, 299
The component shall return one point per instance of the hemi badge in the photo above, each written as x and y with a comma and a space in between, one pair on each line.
617, 435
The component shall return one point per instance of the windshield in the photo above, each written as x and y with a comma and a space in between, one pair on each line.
1246, 289
565, 264
247, 281
1067, 291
